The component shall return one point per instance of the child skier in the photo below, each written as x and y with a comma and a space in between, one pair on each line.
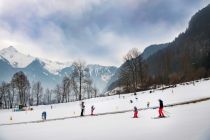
82, 109
161, 109
135, 112
148, 103
44, 115
92, 109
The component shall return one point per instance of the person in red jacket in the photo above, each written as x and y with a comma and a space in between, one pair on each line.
161, 109
135, 112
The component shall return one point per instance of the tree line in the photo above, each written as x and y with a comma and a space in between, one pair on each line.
19, 91
170, 66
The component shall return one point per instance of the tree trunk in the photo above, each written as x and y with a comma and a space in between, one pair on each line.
80, 87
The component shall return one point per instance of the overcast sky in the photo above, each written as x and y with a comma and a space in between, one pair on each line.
97, 31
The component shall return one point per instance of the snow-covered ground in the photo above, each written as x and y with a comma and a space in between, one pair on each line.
190, 122
186, 122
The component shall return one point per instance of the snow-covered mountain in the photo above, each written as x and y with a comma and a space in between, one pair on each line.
101, 75
19, 60
16, 58
54, 67
48, 72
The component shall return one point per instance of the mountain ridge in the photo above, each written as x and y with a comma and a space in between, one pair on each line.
48, 72
186, 58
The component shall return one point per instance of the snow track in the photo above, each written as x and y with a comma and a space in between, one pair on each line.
114, 112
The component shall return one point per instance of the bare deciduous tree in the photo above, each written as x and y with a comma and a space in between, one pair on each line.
132, 76
58, 93
47, 96
65, 89
22, 85
80, 73
4, 94
133, 68
37, 91
88, 87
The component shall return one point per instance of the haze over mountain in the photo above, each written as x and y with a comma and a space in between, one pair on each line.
48, 72
51, 73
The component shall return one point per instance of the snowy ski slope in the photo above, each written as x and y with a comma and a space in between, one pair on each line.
187, 122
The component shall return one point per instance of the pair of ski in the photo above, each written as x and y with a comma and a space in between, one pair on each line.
157, 117
160, 117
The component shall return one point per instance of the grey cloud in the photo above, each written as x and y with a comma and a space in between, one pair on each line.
75, 28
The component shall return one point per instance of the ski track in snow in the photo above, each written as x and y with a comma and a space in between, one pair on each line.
115, 112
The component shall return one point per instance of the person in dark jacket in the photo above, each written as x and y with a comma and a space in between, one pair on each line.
44, 115
161, 108
92, 109
135, 112
148, 103
82, 108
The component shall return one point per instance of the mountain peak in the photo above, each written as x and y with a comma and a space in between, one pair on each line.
15, 58
9, 49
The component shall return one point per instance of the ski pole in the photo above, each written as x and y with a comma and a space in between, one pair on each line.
167, 112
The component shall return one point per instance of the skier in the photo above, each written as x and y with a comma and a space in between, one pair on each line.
82, 109
148, 103
135, 112
92, 109
44, 115
161, 109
